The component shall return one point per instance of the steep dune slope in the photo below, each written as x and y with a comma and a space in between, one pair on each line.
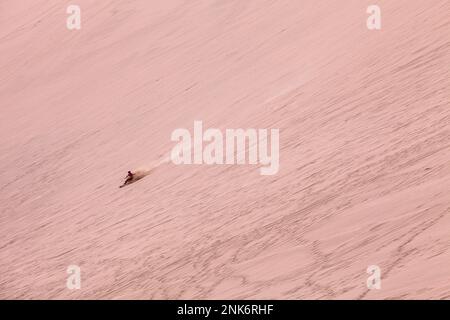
364, 119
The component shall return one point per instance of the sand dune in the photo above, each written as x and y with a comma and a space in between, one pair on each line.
364, 119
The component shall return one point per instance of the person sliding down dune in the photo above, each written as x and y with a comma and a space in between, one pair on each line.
129, 178
136, 175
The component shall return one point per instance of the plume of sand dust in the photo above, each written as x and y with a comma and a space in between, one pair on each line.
144, 171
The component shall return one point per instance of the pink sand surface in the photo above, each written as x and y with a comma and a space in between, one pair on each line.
364, 119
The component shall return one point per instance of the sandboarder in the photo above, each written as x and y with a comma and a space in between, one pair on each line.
128, 179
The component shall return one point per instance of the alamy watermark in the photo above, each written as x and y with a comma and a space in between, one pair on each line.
374, 20
228, 148
74, 280
374, 280
73, 21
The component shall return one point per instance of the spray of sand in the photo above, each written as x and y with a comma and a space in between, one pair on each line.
144, 171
